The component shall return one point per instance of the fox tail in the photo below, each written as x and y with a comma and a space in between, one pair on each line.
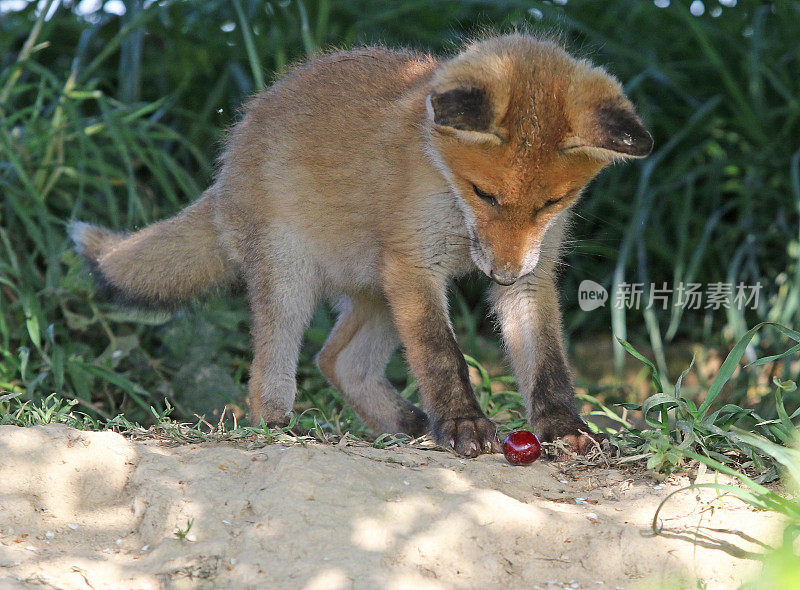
163, 265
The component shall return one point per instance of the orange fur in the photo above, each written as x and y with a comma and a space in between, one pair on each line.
352, 178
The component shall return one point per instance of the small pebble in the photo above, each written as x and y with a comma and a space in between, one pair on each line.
191, 538
226, 522
581, 501
146, 547
49, 534
74, 527
118, 541
592, 517
31, 548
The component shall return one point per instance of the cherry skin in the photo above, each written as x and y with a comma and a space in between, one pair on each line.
522, 447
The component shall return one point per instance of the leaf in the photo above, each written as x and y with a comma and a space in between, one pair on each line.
788, 386
662, 401
731, 362
654, 377
137, 392
32, 324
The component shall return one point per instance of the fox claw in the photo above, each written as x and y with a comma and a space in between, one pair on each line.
469, 437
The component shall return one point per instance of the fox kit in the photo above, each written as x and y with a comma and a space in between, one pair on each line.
372, 178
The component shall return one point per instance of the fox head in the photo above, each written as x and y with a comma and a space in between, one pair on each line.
518, 127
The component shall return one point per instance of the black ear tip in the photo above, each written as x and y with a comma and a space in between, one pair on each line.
632, 142
643, 145
624, 133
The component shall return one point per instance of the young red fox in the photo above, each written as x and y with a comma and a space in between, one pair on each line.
373, 177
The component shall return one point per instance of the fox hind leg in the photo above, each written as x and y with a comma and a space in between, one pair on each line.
282, 305
354, 359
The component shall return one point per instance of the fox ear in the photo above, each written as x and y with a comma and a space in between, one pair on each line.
464, 112
614, 131
467, 109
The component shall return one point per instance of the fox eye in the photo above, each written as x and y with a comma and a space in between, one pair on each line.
555, 200
485, 196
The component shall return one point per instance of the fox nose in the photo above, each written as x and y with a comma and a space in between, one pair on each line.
504, 277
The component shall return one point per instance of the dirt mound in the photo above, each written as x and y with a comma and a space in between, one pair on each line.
95, 510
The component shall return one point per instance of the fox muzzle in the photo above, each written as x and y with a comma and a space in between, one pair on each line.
504, 277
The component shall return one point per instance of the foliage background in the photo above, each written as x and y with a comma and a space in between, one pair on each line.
117, 119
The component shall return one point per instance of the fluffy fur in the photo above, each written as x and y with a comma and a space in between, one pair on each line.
351, 178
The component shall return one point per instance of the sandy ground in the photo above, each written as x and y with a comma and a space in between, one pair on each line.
95, 510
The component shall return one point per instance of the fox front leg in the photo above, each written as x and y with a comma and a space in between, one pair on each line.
530, 321
419, 309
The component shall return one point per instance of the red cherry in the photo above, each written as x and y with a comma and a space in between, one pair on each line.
521, 447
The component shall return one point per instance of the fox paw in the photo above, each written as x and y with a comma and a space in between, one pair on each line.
571, 430
413, 421
582, 443
469, 437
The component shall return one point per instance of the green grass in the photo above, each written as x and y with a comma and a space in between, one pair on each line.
678, 428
